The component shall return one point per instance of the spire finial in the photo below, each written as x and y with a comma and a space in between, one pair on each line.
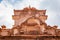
29, 6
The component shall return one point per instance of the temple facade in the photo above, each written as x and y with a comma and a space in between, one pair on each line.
30, 21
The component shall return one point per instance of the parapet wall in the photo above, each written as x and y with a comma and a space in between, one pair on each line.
30, 38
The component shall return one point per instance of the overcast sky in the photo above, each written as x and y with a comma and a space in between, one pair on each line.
52, 10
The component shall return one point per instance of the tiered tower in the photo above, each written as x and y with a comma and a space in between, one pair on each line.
30, 19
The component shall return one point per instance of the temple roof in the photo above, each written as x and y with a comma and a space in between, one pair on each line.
29, 8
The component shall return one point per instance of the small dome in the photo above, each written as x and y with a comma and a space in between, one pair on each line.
3, 26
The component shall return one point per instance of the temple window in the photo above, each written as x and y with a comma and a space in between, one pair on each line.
21, 32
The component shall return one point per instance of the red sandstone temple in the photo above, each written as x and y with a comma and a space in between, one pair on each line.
30, 21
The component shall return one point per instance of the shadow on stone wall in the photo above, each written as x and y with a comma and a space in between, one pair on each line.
30, 38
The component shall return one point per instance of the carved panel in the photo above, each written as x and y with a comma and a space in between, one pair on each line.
4, 33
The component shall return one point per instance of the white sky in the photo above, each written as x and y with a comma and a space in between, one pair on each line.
52, 10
